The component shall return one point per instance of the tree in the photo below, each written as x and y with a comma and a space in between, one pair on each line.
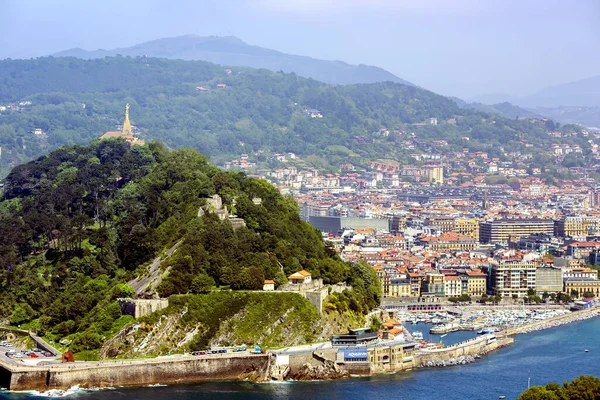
582, 387
545, 296
202, 284
280, 279
574, 293
588, 294
22, 313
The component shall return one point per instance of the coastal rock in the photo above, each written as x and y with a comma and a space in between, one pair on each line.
326, 371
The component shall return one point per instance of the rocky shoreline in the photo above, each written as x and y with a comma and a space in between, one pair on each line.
463, 360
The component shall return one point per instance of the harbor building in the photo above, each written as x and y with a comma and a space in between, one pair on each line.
354, 337
501, 230
583, 287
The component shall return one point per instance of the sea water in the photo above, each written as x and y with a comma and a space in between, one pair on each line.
553, 355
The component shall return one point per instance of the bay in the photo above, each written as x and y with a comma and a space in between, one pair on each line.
553, 355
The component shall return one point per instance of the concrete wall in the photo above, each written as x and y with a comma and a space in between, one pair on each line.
138, 373
139, 307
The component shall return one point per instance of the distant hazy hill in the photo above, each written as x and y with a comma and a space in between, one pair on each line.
588, 116
233, 51
585, 92
505, 109
581, 93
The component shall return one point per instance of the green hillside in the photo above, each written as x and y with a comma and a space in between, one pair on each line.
257, 110
77, 224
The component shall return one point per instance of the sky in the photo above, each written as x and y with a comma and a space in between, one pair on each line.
463, 48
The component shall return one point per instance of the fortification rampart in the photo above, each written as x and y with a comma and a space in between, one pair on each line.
139, 307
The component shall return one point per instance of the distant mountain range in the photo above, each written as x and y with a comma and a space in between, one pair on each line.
581, 93
573, 102
232, 51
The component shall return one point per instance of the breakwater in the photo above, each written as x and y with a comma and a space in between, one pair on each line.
463, 352
553, 322
135, 372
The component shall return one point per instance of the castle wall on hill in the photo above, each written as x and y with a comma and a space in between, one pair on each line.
139, 307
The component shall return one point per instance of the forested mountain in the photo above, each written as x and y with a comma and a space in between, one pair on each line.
225, 112
76, 224
232, 51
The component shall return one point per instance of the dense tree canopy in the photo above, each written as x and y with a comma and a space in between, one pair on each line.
581, 388
73, 101
76, 224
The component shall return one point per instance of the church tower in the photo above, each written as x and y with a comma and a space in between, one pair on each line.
486, 201
126, 124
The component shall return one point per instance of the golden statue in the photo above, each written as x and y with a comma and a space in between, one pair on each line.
126, 124
126, 132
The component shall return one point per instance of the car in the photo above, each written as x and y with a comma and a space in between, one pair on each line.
32, 355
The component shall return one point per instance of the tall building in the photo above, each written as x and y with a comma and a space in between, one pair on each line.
126, 131
434, 173
397, 224
513, 277
500, 230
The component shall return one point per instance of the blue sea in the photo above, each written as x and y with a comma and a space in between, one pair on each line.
553, 355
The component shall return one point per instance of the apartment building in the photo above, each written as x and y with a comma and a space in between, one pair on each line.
513, 277
500, 230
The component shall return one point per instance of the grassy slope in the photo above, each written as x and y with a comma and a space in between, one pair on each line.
193, 322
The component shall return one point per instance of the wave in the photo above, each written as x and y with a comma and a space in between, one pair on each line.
58, 393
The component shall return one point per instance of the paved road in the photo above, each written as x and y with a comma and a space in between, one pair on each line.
305, 348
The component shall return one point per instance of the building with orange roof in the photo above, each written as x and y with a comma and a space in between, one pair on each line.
300, 277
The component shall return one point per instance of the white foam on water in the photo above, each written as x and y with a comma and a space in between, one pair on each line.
157, 385
58, 393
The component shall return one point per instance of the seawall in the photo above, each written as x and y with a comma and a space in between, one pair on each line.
552, 322
136, 373
478, 346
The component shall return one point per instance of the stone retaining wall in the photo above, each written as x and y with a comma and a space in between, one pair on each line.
136, 373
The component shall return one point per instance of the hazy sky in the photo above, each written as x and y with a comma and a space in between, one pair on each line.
454, 47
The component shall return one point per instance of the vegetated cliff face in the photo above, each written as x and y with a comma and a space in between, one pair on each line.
195, 322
